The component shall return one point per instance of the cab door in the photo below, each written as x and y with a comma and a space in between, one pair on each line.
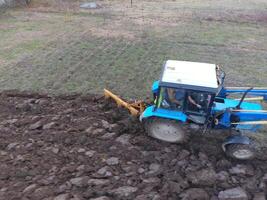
198, 105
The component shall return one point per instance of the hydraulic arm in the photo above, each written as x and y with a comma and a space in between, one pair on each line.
257, 91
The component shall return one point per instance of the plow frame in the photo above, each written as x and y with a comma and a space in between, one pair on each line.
135, 108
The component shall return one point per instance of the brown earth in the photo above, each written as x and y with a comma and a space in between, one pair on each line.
81, 147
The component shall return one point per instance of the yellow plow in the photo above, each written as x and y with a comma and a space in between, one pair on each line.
135, 108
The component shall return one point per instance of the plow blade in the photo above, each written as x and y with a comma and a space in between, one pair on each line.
135, 108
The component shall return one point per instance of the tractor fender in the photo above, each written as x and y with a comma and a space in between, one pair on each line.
235, 139
162, 113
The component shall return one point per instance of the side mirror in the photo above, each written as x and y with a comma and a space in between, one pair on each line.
222, 77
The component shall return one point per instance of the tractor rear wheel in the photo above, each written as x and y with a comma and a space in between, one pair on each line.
166, 130
240, 151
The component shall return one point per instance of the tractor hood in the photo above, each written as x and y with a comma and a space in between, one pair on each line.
189, 75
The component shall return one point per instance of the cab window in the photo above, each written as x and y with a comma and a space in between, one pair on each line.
171, 98
198, 102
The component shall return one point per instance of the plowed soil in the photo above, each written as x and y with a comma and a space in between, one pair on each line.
82, 147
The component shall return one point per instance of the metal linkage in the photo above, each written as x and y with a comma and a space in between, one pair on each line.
135, 108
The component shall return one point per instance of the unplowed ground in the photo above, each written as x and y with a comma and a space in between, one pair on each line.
81, 147
54, 46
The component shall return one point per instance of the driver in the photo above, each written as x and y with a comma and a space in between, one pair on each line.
192, 101
174, 97
172, 94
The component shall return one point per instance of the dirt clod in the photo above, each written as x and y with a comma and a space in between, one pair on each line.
233, 194
195, 194
203, 177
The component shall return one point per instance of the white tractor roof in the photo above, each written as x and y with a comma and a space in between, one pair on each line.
190, 73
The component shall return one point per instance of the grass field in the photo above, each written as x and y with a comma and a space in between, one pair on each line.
55, 47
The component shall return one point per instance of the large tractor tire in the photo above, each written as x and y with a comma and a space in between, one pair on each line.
240, 151
166, 130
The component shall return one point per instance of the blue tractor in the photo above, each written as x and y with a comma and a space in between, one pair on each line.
191, 92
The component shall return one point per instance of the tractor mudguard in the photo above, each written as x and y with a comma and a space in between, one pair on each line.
235, 139
163, 113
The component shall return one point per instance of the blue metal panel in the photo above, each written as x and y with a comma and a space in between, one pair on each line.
250, 116
222, 93
242, 90
255, 92
225, 121
155, 86
231, 103
159, 112
249, 127
243, 116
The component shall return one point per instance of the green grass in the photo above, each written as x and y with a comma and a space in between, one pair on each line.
79, 55
127, 68
21, 49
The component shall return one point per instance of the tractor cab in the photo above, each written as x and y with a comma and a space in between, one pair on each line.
184, 93
187, 87
195, 104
